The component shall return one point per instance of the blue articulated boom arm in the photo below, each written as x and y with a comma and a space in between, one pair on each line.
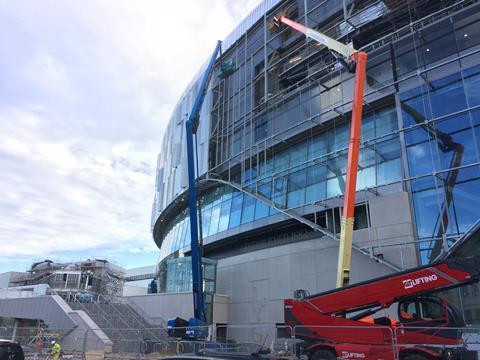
191, 127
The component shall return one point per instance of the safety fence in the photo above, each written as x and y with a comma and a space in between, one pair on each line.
253, 341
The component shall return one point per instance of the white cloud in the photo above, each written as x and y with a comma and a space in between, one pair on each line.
47, 71
73, 196
86, 91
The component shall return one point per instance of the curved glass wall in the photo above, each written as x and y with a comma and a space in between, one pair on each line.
311, 170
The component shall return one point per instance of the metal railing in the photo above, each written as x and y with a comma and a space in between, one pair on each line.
367, 341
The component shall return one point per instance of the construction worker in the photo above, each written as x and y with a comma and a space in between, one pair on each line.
56, 350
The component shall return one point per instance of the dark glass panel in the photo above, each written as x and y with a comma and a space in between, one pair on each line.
224, 215
448, 95
427, 211
206, 213
214, 219
265, 190
472, 85
248, 209
296, 188
317, 146
279, 191
236, 211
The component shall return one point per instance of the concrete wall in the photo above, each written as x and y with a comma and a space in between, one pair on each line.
258, 282
158, 308
77, 329
52, 309
220, 309
134, 290
391, 230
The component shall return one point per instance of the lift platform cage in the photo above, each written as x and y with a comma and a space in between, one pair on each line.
227, 68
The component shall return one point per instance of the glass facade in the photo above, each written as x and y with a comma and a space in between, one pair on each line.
175, 276
442, 150
279, 126
440, 111
319, 167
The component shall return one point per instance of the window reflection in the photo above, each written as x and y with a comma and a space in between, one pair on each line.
440, 149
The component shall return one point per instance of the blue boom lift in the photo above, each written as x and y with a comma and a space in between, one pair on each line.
196, 327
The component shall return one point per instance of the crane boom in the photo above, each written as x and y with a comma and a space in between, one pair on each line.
359, 58
391, 288
191, 126
196, 326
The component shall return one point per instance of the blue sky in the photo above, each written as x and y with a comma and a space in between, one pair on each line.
86, 90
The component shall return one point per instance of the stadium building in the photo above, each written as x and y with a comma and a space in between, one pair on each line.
272, 150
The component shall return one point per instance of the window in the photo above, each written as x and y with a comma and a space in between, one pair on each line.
279, 191
333, 220
316, 185
430, 310
186, 238
221, 332
298, 153
214, 219
408, 311
472, 85
248, 209
438, 42
296, 188
405, 54
282, 331
261, 128
281, 161
237, 141
236, 210
224, 214
317, 147
206, 213
386, 121
449, 95
360, 217
422, 310
467, 29
262, 209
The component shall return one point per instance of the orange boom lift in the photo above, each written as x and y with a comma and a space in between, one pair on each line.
358, 63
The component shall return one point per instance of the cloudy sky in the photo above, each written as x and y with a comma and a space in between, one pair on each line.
86, 90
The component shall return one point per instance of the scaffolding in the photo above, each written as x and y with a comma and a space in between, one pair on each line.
252, 120
96, 277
